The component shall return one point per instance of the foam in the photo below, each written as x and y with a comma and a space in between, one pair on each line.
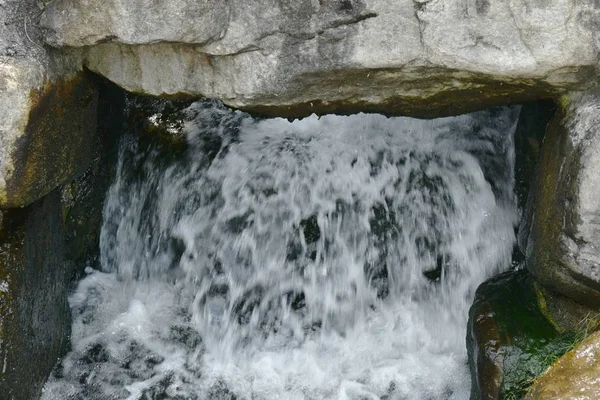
297, 261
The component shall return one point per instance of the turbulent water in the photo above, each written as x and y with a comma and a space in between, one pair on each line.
324, 258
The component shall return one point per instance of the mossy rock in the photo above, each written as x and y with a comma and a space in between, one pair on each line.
509, 340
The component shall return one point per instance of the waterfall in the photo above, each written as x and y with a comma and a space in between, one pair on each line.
331, 257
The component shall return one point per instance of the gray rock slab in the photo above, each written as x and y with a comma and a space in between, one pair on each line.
563, 245
417, 57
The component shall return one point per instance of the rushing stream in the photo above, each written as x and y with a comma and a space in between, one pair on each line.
324, 258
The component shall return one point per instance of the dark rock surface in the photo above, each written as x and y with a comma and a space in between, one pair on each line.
562, 235
43, 249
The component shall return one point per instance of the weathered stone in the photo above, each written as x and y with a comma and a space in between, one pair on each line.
563, 241
43, 248
529, 136
57, 143
573, 376
509, 339
34, 314
423, 58
89, 22
565, 314
47, 112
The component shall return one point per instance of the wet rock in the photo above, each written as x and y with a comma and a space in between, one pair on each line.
509, 339
572, 376
47, 110
58, 141
529, 136
34, 313
43, 248
280, 57
562, 234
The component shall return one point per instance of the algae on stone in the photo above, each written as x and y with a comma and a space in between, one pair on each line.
575, 375
509, 340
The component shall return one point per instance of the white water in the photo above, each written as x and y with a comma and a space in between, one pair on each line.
291, 266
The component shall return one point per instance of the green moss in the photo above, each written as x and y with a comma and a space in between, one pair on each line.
526, 340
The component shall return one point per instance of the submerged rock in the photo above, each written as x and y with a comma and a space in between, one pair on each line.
572, 376
509, 339
293, 58
562, 235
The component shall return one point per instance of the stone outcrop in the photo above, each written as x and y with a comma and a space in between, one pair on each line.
43, 249
47, 110
284, 57
573, 376
562, 241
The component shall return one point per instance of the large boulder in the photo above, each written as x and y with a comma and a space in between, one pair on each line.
284, 57
562, 236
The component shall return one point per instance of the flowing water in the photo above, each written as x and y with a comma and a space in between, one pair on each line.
324, 258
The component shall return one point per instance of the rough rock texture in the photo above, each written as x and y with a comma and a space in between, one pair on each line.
563, 241
293, 57
87, 22
574, 376
34, 314
43, 248
40, 90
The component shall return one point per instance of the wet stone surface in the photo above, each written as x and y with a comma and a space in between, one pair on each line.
509, 339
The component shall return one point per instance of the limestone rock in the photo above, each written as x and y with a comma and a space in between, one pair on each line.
284, 57
47, 114
87, 22
563, 242
573, 376
34, 314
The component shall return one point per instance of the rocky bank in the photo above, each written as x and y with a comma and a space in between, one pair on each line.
424, 58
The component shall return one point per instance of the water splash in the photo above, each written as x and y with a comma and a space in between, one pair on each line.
324, 258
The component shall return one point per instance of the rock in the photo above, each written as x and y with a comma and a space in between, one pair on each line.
34, 313
47, 110
56, 142
89, 22
43, 248
529, 135
509, 339
573, 376
283, 57
563, 238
